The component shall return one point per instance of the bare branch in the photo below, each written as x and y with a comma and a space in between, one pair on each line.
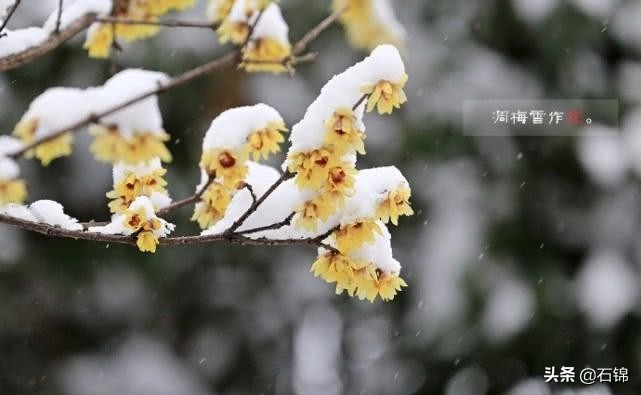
164, 23
284, 177
286, 222
251, 191
311, 35
59, 16
9, 15
195, 198
53, 42
94, 118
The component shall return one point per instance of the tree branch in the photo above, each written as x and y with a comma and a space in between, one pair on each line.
164, 23
195, 198
9, 15
51, 43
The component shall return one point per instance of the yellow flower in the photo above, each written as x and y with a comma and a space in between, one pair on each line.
385, 95
266, 55
159, 7
46, 152
310, 212
12, 191
340, 182
396, 204
350, 238
341, 131
228, 166
99, 41
147, 241
234, 32
312, 168
218, 10
137, 222
110, 146
364, 28
339, 269
385, 285
264, 142
213, 206
132, 186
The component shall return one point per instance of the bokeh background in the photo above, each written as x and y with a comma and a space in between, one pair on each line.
524, 253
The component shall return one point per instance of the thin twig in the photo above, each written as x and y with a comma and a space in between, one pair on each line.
195, 198
311, 35
285, 176
94, 118
54, 41
164, 23
360, 101
9, 15
286, 222
60, 4
251, 191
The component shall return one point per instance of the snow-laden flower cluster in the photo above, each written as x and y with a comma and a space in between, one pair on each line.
268, 49
327, 194
138, 219
232, 137
132, 138
101, 36
12, 188
20, 40
369, 23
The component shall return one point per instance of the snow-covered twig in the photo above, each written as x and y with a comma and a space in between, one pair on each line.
9, 15
164, 23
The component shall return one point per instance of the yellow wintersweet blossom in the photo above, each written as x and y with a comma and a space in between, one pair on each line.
339, 269
266, 55
144, 228
372, 283
131, 186
99, 41
48, 151
217, 10
396, 204
226, 165
12, 191
385, 95
110, 146
102, 35
310, 212
213, 205
159, 7
266, 141
312, 168
350, 238
234, 32
342, 132
340, 182
363, 27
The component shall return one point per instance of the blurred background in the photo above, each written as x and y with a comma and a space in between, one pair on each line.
524, 253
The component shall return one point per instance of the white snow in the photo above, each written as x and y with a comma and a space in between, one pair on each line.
72, 11
607, 288
18, 211
272, 25
380, 252
604, 156
343, 91
230, 129
8, 169
126, 85
52, 213
22, 39
122, 169
4, 6
116, 225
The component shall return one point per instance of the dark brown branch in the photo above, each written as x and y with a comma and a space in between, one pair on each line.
195, 198
286, 222
9, 15
59, 16
53, 42
285, 176
251, 192
164, 23
54, 231
360, 101
94, 118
